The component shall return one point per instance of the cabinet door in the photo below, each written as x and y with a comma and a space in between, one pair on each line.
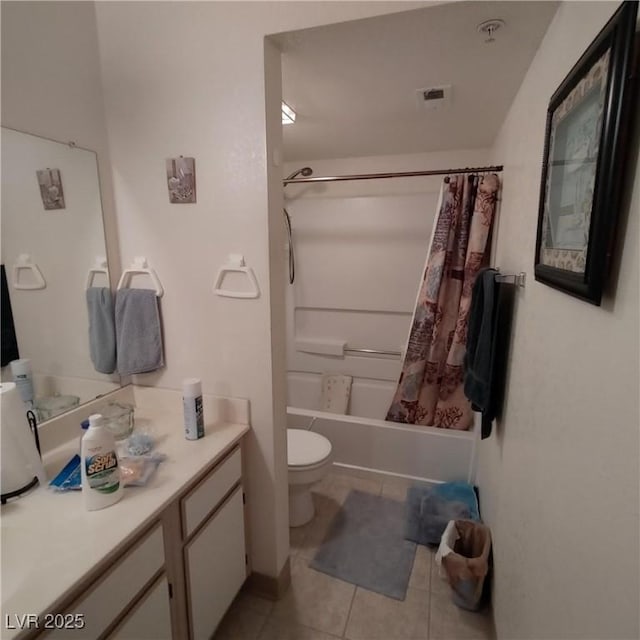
215, 565
107, 598
150, 619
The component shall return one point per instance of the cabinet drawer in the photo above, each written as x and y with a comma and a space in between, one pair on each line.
150, 619
202, 500
113, 593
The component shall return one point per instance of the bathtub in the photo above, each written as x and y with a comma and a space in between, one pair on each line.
421, 453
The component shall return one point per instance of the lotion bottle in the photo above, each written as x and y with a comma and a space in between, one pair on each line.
193, 412
21, 371
101, 482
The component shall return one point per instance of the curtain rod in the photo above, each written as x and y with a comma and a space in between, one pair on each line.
398, 174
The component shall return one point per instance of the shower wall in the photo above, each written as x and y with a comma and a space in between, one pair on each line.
360, 249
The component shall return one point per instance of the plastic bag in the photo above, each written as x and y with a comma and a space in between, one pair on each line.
429, 509
463, 558
136, 471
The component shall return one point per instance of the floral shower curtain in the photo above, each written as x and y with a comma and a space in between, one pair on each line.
430, 389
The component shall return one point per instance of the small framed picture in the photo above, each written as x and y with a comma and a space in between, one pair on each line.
181, 180
585, 139
51, 191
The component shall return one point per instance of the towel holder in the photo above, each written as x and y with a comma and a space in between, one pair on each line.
24, 262
517, 279
100, 266
140, 266
236, 264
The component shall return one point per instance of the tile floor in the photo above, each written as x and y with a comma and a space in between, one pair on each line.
320, 607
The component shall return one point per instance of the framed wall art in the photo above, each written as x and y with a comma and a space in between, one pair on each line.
181, 180
587, 122
51, 192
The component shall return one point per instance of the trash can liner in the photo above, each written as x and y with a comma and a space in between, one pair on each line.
429, 509
463, 560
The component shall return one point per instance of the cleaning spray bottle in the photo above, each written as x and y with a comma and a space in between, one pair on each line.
101, 482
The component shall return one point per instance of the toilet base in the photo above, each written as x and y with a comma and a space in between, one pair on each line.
301, 509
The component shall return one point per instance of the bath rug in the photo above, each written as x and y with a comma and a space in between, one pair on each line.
366, 547
429, 509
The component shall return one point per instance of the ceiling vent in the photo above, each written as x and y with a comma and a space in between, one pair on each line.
433, 98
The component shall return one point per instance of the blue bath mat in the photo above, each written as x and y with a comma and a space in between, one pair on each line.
429, 509
366, 547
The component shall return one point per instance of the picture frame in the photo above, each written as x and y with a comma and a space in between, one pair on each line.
584, 151
181, 180
51, 191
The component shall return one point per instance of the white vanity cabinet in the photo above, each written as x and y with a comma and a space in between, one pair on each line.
214, 550
107, 598
215, 567
178, 577
150, 619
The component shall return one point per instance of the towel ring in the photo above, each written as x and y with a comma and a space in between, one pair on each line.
24, 262
236, 264
99, 267
140, 266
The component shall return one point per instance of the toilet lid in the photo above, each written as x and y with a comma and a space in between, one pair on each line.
306, 448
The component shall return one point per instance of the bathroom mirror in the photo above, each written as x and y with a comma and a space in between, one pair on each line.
52, 236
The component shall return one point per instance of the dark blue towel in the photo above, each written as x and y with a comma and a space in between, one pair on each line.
488, 337
9, 340
480, 337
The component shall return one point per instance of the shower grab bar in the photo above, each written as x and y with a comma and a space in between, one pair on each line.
377, 352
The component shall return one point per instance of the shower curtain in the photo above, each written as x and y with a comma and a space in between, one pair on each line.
430, 389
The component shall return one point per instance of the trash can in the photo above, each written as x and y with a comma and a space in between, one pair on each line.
463, 558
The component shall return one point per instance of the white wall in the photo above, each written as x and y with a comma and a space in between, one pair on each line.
189, 78
360, 249
559, 476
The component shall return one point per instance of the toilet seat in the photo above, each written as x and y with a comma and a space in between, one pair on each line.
306, 448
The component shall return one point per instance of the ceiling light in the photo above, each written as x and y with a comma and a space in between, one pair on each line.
288, 114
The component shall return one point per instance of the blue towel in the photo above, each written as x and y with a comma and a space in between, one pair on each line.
139, 336
429, 509
102, 330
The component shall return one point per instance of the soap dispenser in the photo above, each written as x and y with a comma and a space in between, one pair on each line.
101, 482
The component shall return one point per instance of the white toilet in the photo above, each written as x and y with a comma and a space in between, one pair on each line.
309, 459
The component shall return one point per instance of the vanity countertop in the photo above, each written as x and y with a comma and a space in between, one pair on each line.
50, 542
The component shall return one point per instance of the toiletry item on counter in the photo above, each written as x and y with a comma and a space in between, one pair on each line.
118, 418
139, 444
193, 411
135, 471
21, 372
21, 467
101, 483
